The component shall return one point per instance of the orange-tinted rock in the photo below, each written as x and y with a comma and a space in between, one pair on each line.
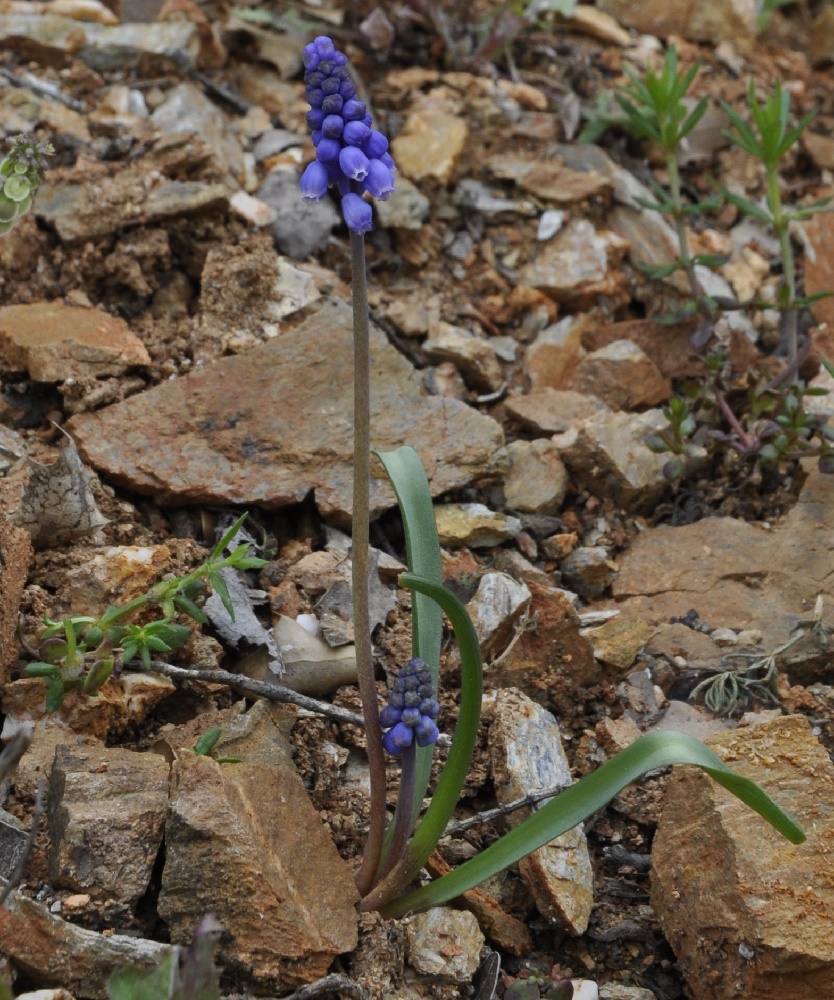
54, 342
724, 883
553, 356
819, 269
623, 376
15, 556
550, 411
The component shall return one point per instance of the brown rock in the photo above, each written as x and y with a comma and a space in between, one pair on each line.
106, 817
15, 557
430, 145
121, 702
710, 21
821, 48
551, 411
537, 481
819, 269
550, 179
553, 356
550, 661
474, 357
36, 762
622, 376
608, 456
579, 265
725, 883
54, 952
735, 574
243, 841
113, 575
473, 524
270, 426
54, 342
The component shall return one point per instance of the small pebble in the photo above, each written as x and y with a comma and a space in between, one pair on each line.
550, 223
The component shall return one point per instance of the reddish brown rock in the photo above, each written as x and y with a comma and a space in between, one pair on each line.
710, 21
819, 266
54, 342
552, 411
54, 952
621, 375
15, 556
733, 573
553, 659
551, 179
724, 883
243, 841
553, 356
272, 425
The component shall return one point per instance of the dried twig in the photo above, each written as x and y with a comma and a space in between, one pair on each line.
42, 87
488, 815
26, 853
330, 984
248, 685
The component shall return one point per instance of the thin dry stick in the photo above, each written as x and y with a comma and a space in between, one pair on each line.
488, 815
360, 556
26, 853
248, 685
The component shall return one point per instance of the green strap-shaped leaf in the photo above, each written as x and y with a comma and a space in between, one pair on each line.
584, 798
411, 486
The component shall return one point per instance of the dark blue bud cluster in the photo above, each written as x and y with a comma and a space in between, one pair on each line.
350, 154
411, 710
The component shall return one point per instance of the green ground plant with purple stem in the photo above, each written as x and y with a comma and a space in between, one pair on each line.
767, 423
355, 162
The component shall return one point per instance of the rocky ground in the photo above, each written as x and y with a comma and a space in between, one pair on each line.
175, 308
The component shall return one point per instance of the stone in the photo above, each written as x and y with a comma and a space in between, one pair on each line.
553, 356
710, 21
607, 455
13, 840
165, 45
474, 525
274, 140
618, 641
725, 883
683, 717
405, 208
525, 747
82, 211
444, 945
243, 841
578, 266
36, 763
476, 196
187, 109
113, 575
549, 662
615, 991
121, 702
106, 816
269, 426
473, 356
12, 449
276, 287
733, 573
301, 227
53, 342
819, 265
821, 44
430, 145
552, 411
588, 570
54, 994
622, 376
551, 179
311, 666
15, 557
496, 607
537, 481
53, 952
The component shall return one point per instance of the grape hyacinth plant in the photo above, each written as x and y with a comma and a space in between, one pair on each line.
352, 157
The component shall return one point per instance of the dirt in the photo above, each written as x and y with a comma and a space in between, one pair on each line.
150, 275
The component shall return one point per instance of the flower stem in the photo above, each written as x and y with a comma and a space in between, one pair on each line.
781, 225
403, 822
360, 556
701, 300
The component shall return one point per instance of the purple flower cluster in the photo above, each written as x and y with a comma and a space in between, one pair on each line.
350, 155
411, 710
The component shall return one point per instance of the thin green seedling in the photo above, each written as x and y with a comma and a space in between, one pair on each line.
83, 651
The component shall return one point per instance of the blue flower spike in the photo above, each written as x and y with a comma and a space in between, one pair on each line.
351, 155
411, 712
